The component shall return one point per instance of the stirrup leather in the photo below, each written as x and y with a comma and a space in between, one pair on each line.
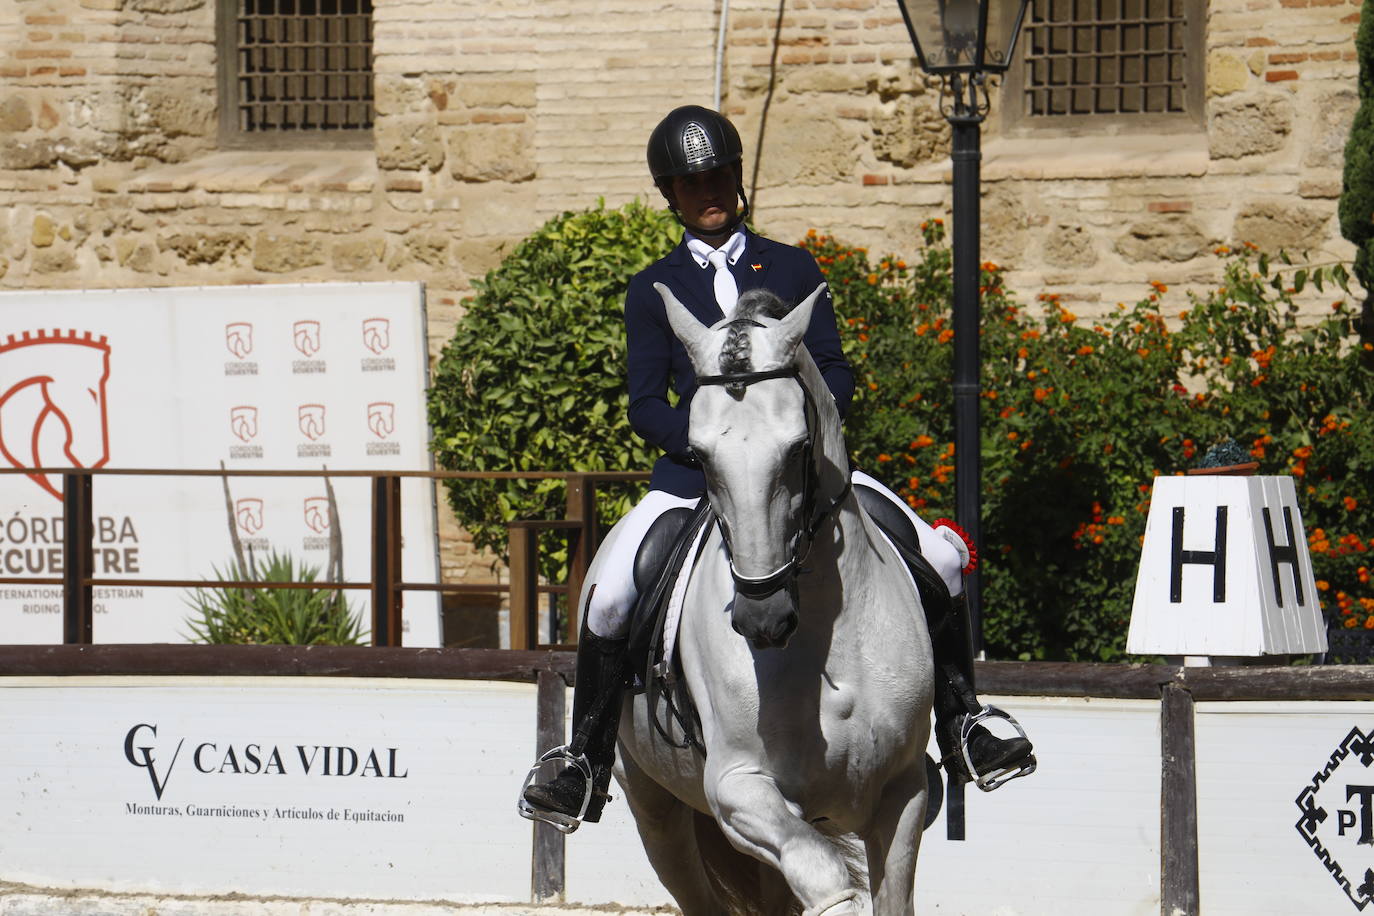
988, 782
564, 823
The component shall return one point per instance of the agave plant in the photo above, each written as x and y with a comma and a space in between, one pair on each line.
275, 616
272, 616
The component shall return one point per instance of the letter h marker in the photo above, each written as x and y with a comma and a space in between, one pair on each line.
1214, 558
1288, 553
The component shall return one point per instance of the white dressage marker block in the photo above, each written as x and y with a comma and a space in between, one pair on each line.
1225, 571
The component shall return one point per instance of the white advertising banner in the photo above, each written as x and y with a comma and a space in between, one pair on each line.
307, 787
1285, 807
290, 377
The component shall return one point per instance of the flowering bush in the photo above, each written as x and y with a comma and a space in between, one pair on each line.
1079, 418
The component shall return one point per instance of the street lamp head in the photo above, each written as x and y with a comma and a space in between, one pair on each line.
963, 36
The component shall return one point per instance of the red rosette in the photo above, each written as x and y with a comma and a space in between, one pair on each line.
963, 536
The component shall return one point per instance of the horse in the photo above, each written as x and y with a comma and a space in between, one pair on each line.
52, 402
804, 648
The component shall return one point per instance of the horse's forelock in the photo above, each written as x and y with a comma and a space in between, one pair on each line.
736, 353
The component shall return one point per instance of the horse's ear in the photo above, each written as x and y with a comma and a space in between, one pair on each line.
795, 322
691, 332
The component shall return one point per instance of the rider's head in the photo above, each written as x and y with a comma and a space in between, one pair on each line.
696, 159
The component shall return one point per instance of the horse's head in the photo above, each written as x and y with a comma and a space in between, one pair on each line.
755, 422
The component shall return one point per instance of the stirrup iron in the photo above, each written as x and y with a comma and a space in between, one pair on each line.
564, 823
1004, 775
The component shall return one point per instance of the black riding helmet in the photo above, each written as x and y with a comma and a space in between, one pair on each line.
694, 139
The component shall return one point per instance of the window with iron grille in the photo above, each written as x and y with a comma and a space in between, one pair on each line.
295, 73
1113, 59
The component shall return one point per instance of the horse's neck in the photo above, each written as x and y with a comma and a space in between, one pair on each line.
832, 458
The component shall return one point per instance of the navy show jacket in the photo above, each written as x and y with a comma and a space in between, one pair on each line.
656, 358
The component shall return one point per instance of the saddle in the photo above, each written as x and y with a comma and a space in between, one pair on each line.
661, 557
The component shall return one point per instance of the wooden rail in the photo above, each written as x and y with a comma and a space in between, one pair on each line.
386, 584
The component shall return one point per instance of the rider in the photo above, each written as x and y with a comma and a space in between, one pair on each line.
696, 160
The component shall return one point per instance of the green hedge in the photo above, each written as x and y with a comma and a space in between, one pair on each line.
1357, 195
534, 376
1078, 418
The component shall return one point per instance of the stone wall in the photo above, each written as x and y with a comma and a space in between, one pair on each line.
492, 117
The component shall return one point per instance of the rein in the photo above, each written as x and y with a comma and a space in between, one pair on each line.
813, 516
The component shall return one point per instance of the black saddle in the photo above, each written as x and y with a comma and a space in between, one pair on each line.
660, 558
895, 524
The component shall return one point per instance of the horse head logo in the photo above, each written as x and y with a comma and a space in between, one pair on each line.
53, 410
238, 337
381, 418
310, 419
376, 334
306, 336
248, 514
317, 514
243, 422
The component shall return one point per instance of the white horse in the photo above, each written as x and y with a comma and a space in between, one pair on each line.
804, 648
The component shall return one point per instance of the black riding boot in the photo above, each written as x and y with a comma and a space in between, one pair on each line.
597, 695
956, 700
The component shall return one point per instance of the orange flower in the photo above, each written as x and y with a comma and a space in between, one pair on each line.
1350, 503
1041, 394
884, 457
1084, 350
1159, 287
922, 441
945, 336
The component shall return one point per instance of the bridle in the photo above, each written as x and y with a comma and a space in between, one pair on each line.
812, 516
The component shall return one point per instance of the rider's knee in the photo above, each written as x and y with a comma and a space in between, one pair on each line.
608, 612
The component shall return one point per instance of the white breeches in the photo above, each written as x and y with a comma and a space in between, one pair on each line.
613, 599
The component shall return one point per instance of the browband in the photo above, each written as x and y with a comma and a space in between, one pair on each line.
748, 378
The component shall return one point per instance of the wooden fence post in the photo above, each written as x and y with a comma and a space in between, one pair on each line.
524, 585
547, 864
78, 559
1178, 862
386, 561
581, 544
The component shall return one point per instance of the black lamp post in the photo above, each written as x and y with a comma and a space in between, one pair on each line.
962, 41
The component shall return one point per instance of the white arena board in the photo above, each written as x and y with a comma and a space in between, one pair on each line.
280, 377
404, 790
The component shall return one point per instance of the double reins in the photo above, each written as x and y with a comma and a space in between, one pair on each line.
812, 515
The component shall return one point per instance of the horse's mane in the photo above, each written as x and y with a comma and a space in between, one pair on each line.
735, 355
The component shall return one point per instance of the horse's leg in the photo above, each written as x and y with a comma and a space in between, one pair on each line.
666, 829
892, 841
757, 820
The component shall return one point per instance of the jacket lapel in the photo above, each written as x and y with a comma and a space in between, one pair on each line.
698, 285
751, 270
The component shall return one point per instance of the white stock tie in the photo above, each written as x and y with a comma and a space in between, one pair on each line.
727, 290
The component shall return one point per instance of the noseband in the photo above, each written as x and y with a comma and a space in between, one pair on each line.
812, 515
